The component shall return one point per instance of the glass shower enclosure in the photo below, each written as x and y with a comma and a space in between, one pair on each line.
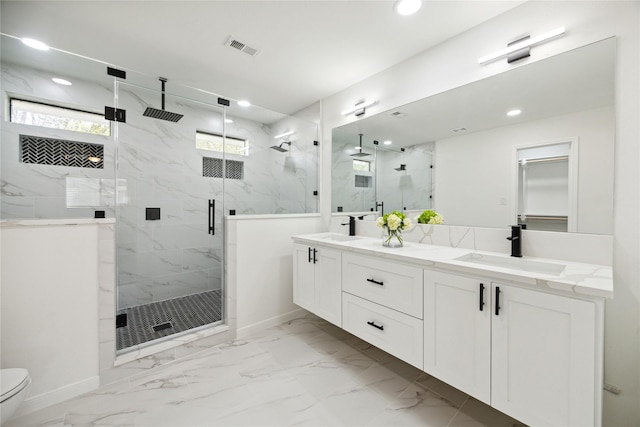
169, 233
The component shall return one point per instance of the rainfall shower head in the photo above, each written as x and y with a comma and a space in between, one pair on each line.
360, 153
279, 147
162, 114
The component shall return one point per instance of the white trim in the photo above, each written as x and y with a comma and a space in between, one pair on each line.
247, 331
272, 216
61, 394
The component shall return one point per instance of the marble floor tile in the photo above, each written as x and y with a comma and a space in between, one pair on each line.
306, 372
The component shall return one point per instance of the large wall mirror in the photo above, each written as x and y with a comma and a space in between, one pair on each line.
549, 163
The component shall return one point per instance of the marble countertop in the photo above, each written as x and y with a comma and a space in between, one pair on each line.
578, 278
60, 221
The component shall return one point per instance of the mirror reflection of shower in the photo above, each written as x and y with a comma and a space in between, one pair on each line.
280, 148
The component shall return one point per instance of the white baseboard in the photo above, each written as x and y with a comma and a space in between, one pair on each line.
247, 331
40, 401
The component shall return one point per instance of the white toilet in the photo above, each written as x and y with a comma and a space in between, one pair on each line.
15, 384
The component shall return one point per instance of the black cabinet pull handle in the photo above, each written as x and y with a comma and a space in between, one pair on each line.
481, 296
309, 254
376, 282
315, 251
497, 300
212, 216
381, 327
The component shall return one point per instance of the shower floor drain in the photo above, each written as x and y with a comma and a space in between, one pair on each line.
161, 326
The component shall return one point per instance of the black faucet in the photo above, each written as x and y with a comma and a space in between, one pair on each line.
516, 241
352, 225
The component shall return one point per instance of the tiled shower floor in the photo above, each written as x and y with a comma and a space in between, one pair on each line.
176, 315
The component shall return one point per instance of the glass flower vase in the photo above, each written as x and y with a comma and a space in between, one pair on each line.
393, 239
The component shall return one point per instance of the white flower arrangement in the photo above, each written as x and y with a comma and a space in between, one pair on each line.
430, 217
394, 222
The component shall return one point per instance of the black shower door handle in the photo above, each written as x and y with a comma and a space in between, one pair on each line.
212, 216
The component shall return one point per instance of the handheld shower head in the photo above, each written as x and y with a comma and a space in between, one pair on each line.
279, 147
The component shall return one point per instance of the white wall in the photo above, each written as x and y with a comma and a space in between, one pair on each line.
50, 308
454, 63
489, 154
259, 264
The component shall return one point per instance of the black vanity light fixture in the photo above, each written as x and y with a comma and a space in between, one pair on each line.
520, 48
360, 108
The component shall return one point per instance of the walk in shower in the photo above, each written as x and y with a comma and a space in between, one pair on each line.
171, 164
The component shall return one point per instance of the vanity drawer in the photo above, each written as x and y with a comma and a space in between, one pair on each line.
396, 333
397, 286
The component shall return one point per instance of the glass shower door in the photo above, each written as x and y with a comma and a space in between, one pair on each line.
169, 228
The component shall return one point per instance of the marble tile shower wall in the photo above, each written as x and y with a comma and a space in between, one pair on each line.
39, 191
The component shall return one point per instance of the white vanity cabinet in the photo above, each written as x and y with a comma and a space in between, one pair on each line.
528, 353
457, 332
544, 364
382, 304
317, 285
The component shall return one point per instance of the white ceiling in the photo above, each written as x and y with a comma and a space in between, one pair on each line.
308, 50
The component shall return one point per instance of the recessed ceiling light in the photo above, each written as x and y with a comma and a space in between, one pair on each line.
407, 7
228, 121
36, 44
61, 81
244, 103
387, 142
513, 113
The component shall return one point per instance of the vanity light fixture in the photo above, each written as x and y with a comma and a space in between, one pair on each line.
407, 7
287, 133
387, 142
522, 43
62, 82
244, 103
36, 44
359, 108
513, 113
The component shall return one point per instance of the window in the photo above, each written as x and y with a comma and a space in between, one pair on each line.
51, 116
361, 166
214, 142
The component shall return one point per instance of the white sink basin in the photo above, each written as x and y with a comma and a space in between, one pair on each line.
520, 264
337, 237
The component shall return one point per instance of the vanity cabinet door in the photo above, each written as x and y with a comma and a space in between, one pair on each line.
457, 332
317, 281
544, 369
328, 285
303, 277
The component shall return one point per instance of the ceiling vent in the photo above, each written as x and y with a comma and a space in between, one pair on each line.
242, 47
398, 114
